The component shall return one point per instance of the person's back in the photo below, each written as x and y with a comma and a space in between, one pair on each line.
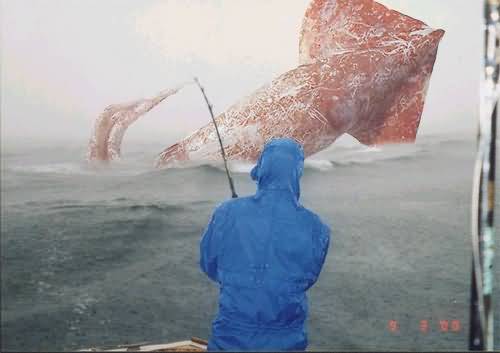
265, 251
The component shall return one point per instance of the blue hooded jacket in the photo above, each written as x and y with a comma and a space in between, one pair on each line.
265, 251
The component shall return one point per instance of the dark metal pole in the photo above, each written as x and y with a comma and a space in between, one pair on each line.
483, 199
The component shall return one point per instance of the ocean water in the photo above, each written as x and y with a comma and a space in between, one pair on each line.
107, 256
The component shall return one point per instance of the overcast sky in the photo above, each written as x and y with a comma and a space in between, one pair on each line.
63, 61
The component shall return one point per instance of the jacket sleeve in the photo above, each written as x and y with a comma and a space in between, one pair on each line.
211, 244
321, 243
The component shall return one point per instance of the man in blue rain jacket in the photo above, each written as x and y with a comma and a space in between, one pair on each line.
265, 252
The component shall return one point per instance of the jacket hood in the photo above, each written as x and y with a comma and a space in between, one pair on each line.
280, 166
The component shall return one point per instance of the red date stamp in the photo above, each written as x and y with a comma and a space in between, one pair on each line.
393, 326
424, 326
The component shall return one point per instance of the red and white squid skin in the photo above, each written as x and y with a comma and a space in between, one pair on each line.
112, 123
364, 70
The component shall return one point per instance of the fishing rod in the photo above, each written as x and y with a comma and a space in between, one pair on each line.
483, 198
223, 153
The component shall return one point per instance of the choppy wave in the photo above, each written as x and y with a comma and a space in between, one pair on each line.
336, 156
71, 168
110, 208
325, 160
115, 205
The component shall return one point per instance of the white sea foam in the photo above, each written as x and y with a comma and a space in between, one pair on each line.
318, 164
240, 166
